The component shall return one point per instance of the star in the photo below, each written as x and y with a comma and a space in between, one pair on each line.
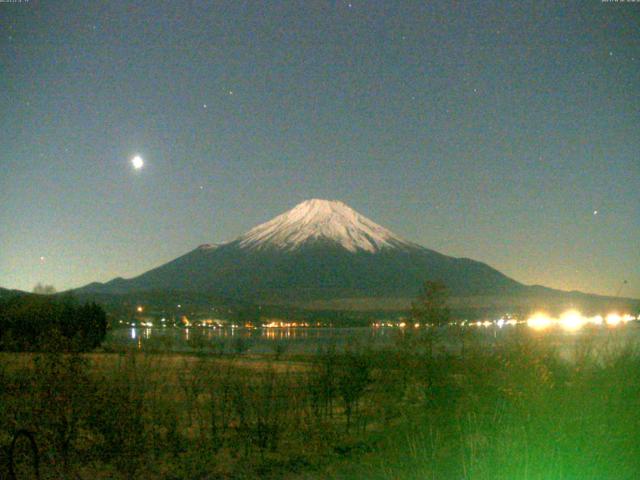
204, 105
595, 212
42, 259
230, 92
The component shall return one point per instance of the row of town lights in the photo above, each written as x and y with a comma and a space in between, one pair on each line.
571, 320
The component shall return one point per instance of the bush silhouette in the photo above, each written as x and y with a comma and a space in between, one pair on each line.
31, 322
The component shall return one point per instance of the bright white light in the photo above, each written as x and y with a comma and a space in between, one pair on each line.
613, 319
539, 321
137, 162
597, 320
572, 320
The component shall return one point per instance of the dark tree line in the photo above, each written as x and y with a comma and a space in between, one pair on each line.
35, 322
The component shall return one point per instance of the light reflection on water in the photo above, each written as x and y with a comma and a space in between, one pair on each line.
310, 339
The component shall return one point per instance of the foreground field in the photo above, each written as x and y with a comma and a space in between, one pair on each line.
515, 411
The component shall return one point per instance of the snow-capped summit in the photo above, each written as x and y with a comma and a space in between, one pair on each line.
323, 220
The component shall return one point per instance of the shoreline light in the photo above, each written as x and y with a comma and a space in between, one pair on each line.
572, 320
539, 321
613, 319
597, 320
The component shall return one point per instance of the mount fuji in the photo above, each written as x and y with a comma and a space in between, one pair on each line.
319, 250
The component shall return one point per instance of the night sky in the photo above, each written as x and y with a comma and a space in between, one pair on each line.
508, 132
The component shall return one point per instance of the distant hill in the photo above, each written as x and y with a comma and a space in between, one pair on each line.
5, 293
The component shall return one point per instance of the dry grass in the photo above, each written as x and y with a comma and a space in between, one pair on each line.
516, 412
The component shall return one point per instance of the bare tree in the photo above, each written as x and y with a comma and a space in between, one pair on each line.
430, 308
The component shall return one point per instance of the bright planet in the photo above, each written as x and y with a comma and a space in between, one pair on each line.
137, 162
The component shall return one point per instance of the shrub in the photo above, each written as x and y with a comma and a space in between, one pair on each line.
31, 322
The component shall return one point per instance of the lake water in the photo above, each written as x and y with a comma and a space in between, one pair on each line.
312, 340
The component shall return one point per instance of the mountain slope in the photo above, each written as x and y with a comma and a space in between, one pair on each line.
318, 250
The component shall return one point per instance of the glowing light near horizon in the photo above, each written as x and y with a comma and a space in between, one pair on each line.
572, 320
613, 319
539, 321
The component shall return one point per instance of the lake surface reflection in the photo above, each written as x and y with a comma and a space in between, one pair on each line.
310, 340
